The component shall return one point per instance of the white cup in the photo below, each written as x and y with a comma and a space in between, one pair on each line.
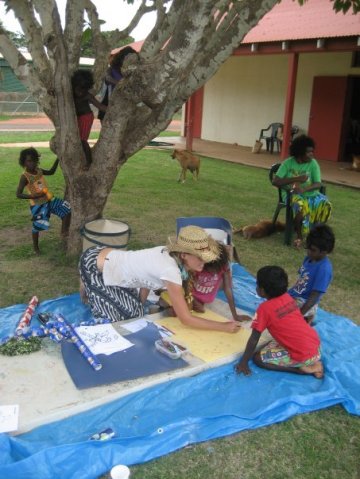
120, 472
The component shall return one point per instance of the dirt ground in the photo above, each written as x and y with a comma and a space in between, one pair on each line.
42, 123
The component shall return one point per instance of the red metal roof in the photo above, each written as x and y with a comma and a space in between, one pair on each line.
135, 45
315, 19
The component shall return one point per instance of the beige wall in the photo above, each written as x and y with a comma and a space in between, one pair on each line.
248, 93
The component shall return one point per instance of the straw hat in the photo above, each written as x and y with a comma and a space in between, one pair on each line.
194, 240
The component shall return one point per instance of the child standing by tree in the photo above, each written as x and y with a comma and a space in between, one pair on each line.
315, 274
296, 345
215, 275
42, 203
82, 81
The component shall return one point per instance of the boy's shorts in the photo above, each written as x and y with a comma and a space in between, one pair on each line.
85, 123
312, 311
41, 213
274, 353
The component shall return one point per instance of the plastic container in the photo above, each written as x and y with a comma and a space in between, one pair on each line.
103, 232
120, 472
170, 349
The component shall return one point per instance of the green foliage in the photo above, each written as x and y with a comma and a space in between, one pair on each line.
19, 346
87, 48
17, 37
342, 5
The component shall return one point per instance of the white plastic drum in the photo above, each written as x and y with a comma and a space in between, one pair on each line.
112, 233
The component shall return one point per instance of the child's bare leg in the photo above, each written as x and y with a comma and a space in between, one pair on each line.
316, 369
35, 239
198, 306
87, 151
298, 230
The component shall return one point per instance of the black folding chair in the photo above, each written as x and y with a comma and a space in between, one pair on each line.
270, 135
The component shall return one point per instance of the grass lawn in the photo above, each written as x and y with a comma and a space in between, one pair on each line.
320, 445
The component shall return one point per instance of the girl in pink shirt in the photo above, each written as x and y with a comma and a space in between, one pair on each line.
214, 276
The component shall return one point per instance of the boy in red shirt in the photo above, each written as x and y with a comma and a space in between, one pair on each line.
296, 345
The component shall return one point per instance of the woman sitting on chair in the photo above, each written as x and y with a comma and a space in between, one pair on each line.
301, 175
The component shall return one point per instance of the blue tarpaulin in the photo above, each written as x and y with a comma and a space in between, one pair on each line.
166, 417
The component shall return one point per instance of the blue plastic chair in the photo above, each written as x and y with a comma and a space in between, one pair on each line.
212, 224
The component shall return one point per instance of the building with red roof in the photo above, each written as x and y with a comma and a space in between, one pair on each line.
299, 66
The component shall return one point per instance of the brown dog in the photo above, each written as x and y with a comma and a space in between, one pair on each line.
261, 229
188, 161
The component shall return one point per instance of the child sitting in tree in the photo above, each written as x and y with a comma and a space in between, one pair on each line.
296, 345
215, 275
82, 81
42, 203
315, 274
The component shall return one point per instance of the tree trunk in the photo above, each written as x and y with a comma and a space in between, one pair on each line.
186, 47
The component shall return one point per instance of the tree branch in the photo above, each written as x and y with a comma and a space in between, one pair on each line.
161, 32
25, 72
32, 30
226, 37
74, 25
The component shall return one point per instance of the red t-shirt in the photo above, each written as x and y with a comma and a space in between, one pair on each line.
282, 317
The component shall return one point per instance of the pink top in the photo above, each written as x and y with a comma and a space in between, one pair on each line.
206, 285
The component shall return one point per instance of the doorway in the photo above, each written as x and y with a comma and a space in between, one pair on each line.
352, 130
334, 120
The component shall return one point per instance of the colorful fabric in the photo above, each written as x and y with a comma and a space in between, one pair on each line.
310, 313
313, 209
85, 123
36, 184
274, 353
313, 206
112, 302
313, 276
41, 213
206, 285
286, 324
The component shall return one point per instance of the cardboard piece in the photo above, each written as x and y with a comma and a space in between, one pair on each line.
207, 345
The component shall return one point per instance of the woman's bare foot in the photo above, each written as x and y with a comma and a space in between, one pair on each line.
316, 369
298, 243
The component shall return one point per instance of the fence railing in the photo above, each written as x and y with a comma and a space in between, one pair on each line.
20, 106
